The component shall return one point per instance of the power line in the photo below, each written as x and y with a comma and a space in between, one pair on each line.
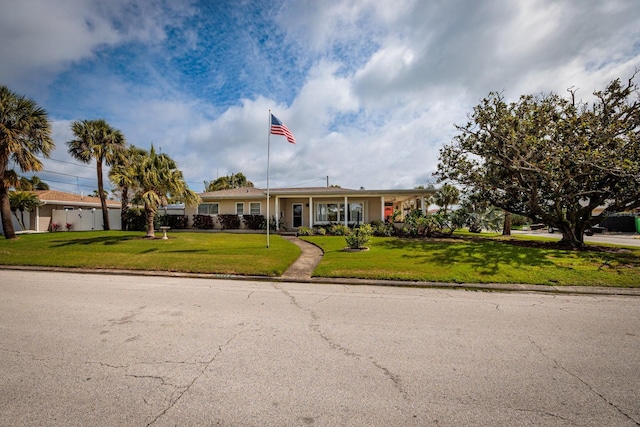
42, 175
73, 183
66, 174
64, 161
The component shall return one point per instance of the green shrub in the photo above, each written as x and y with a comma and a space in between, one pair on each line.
320, 231
339, 230
279, 224
204, 222
254, 222
519, 220
176, 222
359, 236
229, 221
135, 220
382, 229
305, 231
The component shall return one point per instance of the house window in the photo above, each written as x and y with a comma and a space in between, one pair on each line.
208, 209
254, 208
240, 208
335, 212
356, 212
329, 212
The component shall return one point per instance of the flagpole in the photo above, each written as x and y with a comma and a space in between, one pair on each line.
268, 154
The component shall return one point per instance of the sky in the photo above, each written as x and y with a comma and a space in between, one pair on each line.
371, 89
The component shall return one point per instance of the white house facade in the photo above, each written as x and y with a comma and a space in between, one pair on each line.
315, 206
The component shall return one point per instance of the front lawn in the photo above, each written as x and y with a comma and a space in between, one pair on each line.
457, 260
242, 254
465, 260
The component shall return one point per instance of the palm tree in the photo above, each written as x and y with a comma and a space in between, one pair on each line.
123, 176
33, 183
95, 139
160, 182
21, 201
235, 180
446, 196
25, 131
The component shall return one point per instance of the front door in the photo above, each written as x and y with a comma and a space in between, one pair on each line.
297, 215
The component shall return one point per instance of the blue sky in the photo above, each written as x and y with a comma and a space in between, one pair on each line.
370, 88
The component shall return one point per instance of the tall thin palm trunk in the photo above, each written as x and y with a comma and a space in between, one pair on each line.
150, 215
124, 200
103, 197
5, 209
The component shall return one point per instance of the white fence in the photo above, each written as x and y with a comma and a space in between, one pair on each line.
85, 219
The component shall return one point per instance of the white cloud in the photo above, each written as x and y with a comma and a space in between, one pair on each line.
43, 37
374, 86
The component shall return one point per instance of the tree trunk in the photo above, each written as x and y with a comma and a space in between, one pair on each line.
572, 237
150, 215
20, 218
5, 212
506, 226
103, 196
125, 208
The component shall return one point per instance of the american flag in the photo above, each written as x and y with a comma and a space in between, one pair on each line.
278, 128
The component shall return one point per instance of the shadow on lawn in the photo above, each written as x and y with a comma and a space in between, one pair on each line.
102, 240
485, 257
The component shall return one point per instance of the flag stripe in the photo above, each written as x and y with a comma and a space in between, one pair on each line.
279, 128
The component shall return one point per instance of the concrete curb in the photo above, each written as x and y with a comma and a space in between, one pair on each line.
489, 287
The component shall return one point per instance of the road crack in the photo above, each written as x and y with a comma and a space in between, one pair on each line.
549, 414
183, 390
314, 325
586, 384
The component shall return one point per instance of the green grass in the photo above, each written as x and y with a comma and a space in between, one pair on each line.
477, 261
459, 260
242, 254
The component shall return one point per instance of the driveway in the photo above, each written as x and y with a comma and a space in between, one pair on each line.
85, 349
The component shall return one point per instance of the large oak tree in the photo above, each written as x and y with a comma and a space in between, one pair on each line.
552, 158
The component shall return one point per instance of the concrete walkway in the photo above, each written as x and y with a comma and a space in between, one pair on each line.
303, 267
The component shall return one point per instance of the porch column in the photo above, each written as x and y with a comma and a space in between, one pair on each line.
277, 212
382, 208
37, 218
310, 212
424, 206
346, 211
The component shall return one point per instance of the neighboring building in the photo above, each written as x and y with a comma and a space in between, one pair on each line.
82, 212
298, 207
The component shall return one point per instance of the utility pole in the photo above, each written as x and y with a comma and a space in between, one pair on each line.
327, 181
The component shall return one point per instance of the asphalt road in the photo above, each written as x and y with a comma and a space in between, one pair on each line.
101, 350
